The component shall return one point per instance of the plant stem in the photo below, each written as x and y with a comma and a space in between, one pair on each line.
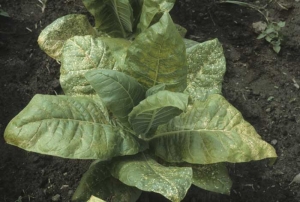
257, 8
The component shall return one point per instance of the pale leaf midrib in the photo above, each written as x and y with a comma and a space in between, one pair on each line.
183, 132
83, 52
151, 121
66, 120
115, 8
157, 66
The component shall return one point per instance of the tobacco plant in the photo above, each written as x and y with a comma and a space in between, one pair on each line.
142, 101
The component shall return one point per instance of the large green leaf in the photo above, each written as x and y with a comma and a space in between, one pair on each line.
69, 127
155, 110
145, 173
97, 181
211, 131
206, 68
158, 56
119, 92
114, 17
212, 177
53, 37
151, 10
81, 54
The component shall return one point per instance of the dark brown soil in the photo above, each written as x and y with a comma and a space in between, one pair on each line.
259, 82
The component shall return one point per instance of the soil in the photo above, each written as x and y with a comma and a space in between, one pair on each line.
263, 85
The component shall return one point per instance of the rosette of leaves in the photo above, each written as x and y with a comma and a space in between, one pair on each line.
273, 34
149, 110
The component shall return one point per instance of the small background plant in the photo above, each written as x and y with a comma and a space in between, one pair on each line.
272, 33
3, 13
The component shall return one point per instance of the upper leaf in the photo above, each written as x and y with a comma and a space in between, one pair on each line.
137, 11
118, 47
209, 132
69, 127
158, 56
53, 37
152, 10
145, 173
155, 110
97, 181
206, 68
81, 54
212, 177
114, 17
119, 92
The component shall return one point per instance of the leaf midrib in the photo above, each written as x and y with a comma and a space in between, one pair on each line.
115, 9
122, 86
182, 132
65, 119
157, 67
154, 118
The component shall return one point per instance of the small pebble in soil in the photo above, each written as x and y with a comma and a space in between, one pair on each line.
274, 142
56, 197
70, 193
35, 159
55, 83
255, 92
64, 186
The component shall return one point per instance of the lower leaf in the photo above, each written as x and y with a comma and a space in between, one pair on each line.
212, 177
98, 182
211, 131
69, 127
145, 173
